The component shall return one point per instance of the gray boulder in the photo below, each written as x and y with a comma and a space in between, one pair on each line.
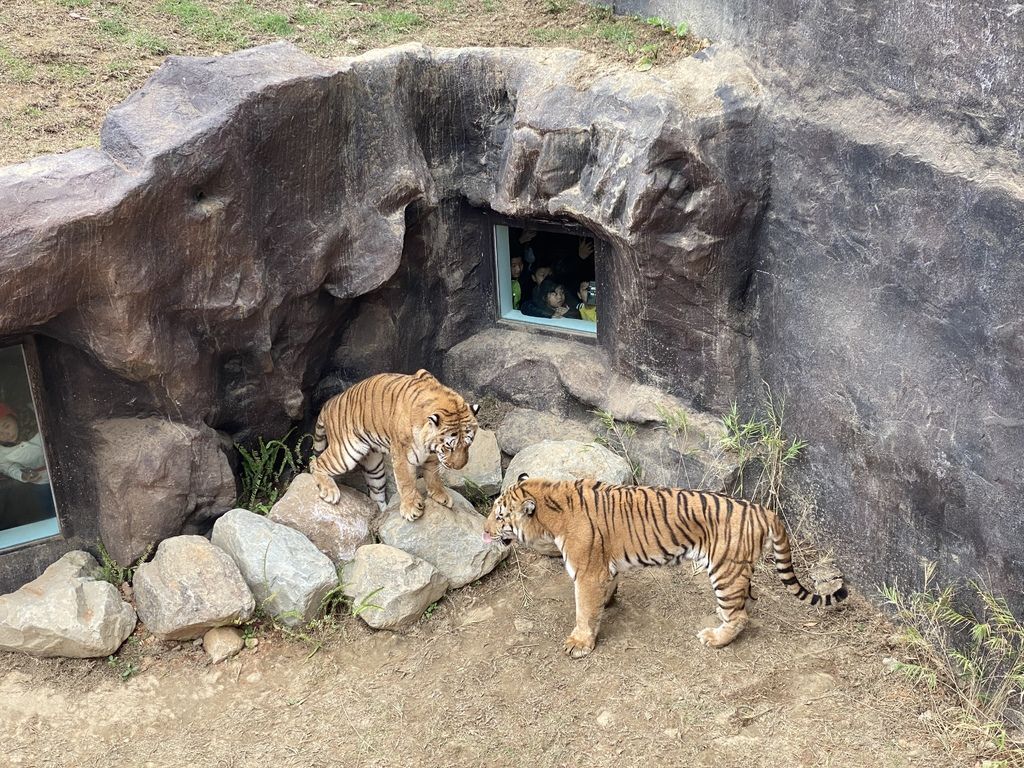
337, 530
288, 575
452, 540
390, 588
525, 426
155, 479
189, 587
568, 460
67, 611
483, 468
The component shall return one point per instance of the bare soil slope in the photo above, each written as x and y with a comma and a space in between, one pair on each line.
483, 682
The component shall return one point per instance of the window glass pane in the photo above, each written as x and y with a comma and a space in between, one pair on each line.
546, 278
27, 510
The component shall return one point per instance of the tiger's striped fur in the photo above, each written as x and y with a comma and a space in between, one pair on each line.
416, 419
602, 529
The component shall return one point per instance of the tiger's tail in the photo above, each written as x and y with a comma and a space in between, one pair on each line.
784, 567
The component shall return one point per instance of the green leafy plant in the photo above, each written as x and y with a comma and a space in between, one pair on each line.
976, 658
364, 603
116, 574
618, 437
761, 441
124, 668
267, 468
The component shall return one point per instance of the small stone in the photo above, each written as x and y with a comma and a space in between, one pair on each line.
222, 643
605, 719
251, 642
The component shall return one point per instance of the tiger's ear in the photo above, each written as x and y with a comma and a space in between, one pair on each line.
423, 373
529, 507
434, 418
475, 408
522, 477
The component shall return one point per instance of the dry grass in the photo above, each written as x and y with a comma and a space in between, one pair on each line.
64, 63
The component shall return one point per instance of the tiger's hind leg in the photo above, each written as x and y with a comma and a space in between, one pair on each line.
611, 590
732, 588
376, 478
435, 488
336, 460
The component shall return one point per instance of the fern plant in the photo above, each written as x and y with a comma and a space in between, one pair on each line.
266, 470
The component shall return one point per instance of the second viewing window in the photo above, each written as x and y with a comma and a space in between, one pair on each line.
546, 278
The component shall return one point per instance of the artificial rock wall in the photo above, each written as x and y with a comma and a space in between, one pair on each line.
886, 299
260, 227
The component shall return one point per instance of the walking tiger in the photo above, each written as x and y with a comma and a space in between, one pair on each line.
602, 529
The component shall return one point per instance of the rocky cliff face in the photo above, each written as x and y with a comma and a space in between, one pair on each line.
886, 300
256, 221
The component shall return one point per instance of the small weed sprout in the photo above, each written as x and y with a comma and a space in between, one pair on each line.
978, 659
124, 668
618, 438
268, 467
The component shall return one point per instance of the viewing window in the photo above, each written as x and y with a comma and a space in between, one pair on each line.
546, 278
27, 510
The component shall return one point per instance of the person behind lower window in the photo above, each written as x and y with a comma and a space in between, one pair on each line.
586, 309
516, 267
549, 301
21, 460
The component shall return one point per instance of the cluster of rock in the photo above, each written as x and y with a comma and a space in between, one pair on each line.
288, 564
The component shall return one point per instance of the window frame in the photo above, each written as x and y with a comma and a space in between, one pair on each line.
504, 313
30, 358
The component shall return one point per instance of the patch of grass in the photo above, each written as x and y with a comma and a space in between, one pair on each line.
618, 438
679, 30
396, 22
267, 468
266, 22
977, 659
68, 72
74, 3
203, 23
761, 440
14, 67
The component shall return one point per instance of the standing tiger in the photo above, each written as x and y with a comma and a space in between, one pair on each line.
602, 529
416, 419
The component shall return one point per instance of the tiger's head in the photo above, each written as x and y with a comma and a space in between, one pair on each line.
452, 434
512, 516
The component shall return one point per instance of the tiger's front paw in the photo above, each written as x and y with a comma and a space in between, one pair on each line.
576, 649
329, 491
442, 497
412, 511
713, 637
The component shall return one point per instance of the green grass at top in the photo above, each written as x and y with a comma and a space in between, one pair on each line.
397, 22
203, 23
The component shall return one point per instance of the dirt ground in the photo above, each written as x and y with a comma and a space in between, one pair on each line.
482, 682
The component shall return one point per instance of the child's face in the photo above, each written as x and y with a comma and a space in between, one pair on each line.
541, 274
556, 298
581, 294
8, 429
517, 267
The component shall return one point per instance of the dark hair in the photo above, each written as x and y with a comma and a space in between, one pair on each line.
548, 286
